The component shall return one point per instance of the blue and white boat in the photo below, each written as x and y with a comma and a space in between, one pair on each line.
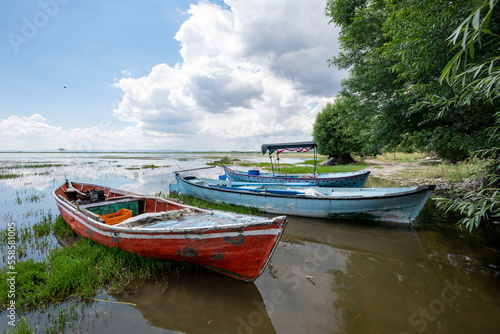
340, 179
400, 205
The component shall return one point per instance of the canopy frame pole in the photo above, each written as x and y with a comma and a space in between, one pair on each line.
315, 158
271, 158
278, 159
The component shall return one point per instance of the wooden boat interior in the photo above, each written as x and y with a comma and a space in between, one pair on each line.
296, 176
294, 189
144, 211
125, 209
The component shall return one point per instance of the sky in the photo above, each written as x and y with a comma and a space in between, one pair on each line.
163, 75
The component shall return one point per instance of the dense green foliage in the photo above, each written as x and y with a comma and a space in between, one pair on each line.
395, 52
425, 75
477, 74
480, 78
478, 206
335, 131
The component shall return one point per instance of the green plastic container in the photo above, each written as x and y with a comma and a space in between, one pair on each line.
115, 207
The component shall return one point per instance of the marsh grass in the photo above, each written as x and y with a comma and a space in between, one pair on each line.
28, 197
36, 238
44, 226
152, 166
10, 176
62, 318
223, 161
34, 197
78, 271
33, 166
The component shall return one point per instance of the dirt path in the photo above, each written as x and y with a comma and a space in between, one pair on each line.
387, 169
402, 172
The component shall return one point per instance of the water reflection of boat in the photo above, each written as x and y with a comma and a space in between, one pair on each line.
395, 241
233, 244
202, 304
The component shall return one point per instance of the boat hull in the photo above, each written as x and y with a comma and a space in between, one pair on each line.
399, 206
340, 180
240, 251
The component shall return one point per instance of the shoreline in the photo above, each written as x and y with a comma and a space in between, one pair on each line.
392, 171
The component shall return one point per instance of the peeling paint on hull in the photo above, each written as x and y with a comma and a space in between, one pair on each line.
252, 239
345, 179
398, 205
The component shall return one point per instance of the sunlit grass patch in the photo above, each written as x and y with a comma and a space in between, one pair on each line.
446, 172
402, 156
311, 161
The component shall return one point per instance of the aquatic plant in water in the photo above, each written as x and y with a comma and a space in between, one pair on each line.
78, 271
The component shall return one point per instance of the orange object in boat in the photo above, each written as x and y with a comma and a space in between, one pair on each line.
117, 217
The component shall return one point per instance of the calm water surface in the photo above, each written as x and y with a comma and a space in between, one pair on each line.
326, 276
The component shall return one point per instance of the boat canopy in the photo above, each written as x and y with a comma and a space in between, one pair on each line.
298, 147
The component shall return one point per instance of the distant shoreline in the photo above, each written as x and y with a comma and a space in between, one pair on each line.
134, 152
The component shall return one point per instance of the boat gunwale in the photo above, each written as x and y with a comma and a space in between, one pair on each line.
102, 227
319, 176
416, 190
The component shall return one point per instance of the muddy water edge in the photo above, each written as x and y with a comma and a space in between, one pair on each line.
326, 276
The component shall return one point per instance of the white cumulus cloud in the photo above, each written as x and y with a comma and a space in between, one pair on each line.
250, 71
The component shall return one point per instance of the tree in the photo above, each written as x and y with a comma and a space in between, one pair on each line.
395, 51
371, 85
478, 77
410, 89
337, 133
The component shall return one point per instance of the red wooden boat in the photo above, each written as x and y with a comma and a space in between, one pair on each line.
233, 244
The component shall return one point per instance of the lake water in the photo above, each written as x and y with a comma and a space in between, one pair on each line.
326, 276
